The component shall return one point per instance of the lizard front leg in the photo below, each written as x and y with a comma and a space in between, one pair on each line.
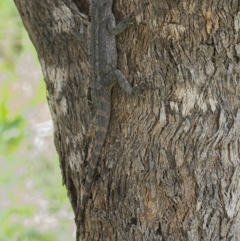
120, 27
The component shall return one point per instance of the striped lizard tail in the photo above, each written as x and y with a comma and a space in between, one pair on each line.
102, 122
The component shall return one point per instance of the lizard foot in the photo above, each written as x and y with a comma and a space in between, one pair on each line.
139, 88
129, 20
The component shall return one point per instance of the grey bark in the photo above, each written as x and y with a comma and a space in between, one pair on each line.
169, 169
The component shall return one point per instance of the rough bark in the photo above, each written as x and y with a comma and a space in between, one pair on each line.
170, 168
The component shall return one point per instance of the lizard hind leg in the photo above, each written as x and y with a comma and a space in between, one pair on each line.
117, 75
114, 76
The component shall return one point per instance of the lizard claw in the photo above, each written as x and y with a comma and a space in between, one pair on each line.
129, 19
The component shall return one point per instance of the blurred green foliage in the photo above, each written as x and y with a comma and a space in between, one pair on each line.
33, 204
11, 37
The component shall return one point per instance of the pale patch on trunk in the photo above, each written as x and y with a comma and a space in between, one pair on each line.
62, 12
188, 96
213, 103
163, 118
237, 22
75, 160
174, 106
56, 75
63, 106
191, 98
63, 19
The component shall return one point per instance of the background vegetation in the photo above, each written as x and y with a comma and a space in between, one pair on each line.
33, 203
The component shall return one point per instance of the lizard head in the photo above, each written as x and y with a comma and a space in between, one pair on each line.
106, 6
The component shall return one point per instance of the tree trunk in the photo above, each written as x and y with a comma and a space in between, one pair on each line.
170, 167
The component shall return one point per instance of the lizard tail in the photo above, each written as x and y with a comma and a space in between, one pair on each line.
102, 122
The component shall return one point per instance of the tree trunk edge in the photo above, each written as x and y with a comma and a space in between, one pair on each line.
173, 175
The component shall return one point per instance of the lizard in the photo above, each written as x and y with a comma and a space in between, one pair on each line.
104, 75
